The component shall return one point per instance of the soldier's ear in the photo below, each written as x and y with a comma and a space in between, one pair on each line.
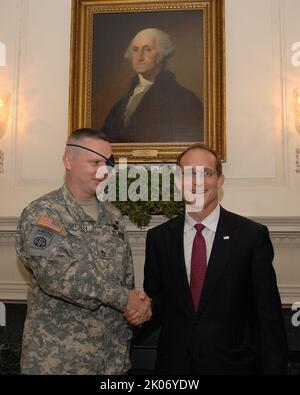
67, 159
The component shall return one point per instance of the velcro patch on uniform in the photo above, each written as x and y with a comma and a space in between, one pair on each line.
82, 227
116, 231
42, 241
50, 223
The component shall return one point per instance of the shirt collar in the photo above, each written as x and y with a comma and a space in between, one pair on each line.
210, 222
143, 81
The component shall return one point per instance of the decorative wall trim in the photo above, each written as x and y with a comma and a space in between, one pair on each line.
15, 291
285, 232
273, 223
2, 162
7, 238
8, 223
18, 291
279, 223
286, 238
289, 294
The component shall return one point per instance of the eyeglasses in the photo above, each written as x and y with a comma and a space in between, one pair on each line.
108, 161
207, 173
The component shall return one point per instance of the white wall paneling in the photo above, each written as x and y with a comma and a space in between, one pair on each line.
285, 234
261, 180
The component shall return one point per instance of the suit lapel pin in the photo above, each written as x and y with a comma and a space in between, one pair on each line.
226, 237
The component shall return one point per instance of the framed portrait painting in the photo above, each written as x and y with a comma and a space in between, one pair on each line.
149, 74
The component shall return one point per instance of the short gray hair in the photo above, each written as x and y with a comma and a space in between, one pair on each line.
164, 44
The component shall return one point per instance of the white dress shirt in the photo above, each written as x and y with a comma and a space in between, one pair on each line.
139, 92
143, 85
209, 232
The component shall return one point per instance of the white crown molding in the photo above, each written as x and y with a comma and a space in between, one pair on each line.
290, 224
7, 238
289, 294
285, 238
10, 223
18, 292
284, 232
280, 227
13, 291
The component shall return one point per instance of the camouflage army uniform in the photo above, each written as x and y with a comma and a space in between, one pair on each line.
80, 271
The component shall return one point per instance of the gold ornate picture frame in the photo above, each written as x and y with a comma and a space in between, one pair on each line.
100, 76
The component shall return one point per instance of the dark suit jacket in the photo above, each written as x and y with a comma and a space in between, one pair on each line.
239, 327
167, 113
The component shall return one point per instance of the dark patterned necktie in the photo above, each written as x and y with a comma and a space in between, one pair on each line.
198, 265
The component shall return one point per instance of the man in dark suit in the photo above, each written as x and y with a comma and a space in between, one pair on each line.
156, 108
210, 276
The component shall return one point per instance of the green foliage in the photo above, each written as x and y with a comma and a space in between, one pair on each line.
141, 211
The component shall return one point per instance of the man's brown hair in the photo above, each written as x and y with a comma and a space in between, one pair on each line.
205, 148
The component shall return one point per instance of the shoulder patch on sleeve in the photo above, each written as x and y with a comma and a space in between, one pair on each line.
42, 241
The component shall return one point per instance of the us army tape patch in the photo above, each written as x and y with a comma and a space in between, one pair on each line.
42, 241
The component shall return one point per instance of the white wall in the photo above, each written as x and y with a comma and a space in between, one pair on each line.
261, 176
37, 37
261, 137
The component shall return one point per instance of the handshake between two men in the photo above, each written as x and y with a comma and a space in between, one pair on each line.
138, 309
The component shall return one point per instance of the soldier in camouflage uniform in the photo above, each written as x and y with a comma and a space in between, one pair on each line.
81, 273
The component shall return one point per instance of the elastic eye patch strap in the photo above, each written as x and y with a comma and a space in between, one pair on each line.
110, 161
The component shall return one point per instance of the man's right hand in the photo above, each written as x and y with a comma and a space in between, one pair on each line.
138, 309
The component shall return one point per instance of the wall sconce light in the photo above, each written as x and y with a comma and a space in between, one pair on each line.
5, 99
2, 54
297, 109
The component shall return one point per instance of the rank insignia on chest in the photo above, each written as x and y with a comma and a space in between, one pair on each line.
118, 233
104, 254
